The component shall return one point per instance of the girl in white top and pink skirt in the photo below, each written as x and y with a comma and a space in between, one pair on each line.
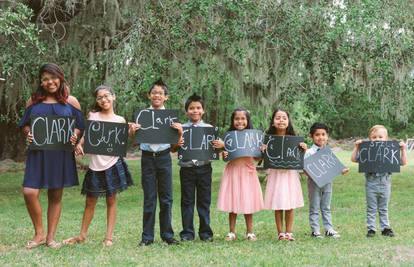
283, 189
240, 191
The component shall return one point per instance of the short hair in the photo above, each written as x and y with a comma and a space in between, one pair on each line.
375, 128
193, 98
316, 126
161, 84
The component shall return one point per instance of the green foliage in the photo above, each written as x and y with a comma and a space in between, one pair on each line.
21, 51
347, 63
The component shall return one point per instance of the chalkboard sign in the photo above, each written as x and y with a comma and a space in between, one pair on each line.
323, 166
244, 143
197, 144
156, 126
52, 132
106, 138
283, 152
379, 156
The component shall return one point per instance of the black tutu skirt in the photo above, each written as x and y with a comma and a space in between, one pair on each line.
107, 182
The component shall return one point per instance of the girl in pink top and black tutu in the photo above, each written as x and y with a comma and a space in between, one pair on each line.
283, 189
107, 175
240, 191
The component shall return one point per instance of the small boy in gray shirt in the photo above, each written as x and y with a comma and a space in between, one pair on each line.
378, 186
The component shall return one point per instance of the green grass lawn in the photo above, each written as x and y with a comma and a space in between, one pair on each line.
348, 208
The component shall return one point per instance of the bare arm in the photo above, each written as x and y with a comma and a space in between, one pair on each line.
403, 147
355, 151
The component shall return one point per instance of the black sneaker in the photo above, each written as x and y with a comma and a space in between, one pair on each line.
186, 238
171, 241
208, 239
387, 232
371, 233
145, 243
316, 235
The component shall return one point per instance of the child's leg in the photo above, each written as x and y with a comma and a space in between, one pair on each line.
314, 193
111, 216
372, 205
164, 187
383, 201
326, 207
249, 222
279, 220
90, 203
31, 197
53, 212
203, 185
232, 222
289, 220
149, 187
187, 182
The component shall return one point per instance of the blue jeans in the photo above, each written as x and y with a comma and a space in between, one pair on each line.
156, 175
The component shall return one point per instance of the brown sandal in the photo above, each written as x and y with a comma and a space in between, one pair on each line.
54, 245
74, 240
33, 244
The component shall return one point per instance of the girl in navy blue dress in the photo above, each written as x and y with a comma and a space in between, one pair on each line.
49, 169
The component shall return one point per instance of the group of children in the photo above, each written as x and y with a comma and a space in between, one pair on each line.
240, 190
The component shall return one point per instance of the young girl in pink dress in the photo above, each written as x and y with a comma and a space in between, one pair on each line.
240, 191
107, 175
283, 189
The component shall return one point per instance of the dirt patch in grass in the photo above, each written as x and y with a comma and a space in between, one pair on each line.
9, 165
403, 254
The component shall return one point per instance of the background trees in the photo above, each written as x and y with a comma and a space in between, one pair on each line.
348, 63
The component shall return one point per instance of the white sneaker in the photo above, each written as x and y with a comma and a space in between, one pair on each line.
332, 233
316, 235
251, 237
230, 236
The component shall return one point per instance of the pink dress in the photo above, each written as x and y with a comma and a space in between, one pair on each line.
283, 190
240, 190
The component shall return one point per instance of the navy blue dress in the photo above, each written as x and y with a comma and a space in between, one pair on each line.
51, 169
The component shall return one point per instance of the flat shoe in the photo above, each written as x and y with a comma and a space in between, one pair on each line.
33, 244
54, 245
107, 242
73, 240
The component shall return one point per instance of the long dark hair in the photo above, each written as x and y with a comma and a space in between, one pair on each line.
272, 128
96, 107
61, 94
246, 112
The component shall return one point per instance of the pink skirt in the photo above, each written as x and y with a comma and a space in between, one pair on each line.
283, 190
240, 190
